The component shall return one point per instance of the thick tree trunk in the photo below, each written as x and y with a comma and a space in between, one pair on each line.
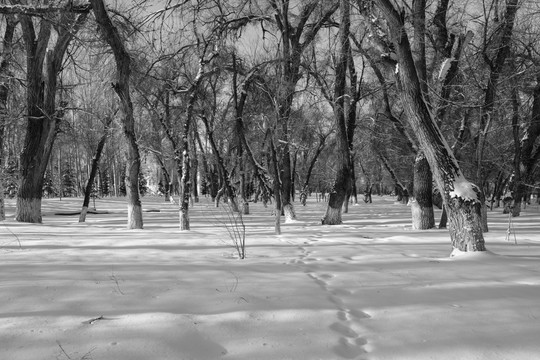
422, 206
342, 183
5, 64
42, 117
94, 169
123, 69
461, 197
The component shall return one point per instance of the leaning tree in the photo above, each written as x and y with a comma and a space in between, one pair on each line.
461, 198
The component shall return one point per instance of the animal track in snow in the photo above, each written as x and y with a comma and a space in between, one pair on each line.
350, 344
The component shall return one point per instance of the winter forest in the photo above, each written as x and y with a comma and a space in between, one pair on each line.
348, 179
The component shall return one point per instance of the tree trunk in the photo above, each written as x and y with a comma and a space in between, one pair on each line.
295, 39
228, 189
313, 161
342, 182
5, 64
194, 169
94, 169
461, 198
422, 206
239, 126
184, 184
121, 87
526, 153
277, 187
42, 118
496, 65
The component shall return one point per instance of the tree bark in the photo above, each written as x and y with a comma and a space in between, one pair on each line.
5, 65
42, 118
122, 89
342, 183
313, 161
461, 198
295, 39
228, 189
239, 126
525, 154
185, 183
94, 169
422, 204
277, 186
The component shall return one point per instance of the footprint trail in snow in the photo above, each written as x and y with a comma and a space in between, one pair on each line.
351, 345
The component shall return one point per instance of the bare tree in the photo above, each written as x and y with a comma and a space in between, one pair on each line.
342, 181
94, 168
122, 89
44, 63
5, 64
296, 37
461, 198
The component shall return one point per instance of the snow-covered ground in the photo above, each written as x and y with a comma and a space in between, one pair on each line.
371, 288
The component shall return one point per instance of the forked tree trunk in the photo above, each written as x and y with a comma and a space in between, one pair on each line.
42, 117
296, 37
460, 197
94, 169
184, 183
123, 69
342, 183
422, 206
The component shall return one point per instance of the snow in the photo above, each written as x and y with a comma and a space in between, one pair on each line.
371, 288
463, 189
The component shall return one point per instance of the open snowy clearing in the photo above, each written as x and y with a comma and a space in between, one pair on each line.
371, 288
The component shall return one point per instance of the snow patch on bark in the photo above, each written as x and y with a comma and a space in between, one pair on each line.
464, 189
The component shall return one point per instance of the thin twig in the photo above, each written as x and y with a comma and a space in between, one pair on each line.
63, 351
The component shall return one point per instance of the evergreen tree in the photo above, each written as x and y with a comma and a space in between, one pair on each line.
69, 186
48, 185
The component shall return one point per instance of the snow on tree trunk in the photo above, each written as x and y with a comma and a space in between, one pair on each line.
288, 211
422, 205
332, 216
43, 65
121, 87
84, 211
460, 197
28, 209
184, 184
465, 216
135, 216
